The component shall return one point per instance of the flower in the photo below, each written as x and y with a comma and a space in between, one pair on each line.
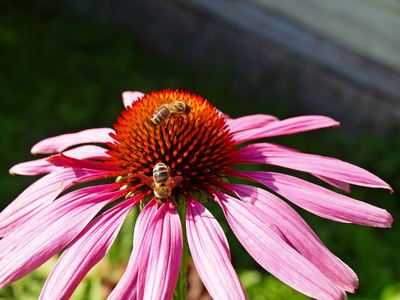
199, 150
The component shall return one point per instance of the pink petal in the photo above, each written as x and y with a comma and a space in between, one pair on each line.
321, 201
126, 288
42, 166
129, 97
88, 152
50, 230
33, 167
299, 235
249, 122
86, 250
162, 243
278, 155
285, 127
40, 194
220, 113
210, 253
273, 253
142, 270
61, 142
336, 183
62, 160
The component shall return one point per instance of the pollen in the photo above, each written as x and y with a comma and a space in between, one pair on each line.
192, 140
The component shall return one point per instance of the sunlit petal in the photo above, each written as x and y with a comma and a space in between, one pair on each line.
86, 250
47, 232
285, 127
40, 194
129, 97
273, 253
297, 233
278, 155
249, 122
60, 143
321, 201
127, 286
163, 242
206, 239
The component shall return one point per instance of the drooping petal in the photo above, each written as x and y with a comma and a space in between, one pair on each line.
285, 127
129, 97
210, 253
321, 201
249, 122
33, 167
59, 143
298, 234
50, 230
278, 155
154, 264
40, 194
244, 153
86, 250
126, 288
163, 241
273, 253
42, 166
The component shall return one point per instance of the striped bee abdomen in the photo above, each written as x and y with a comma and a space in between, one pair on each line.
160, 173
160, 115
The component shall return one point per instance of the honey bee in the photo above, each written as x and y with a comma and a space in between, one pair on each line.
176, 108
161, 182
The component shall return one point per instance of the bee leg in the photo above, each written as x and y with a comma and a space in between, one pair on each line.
167, 122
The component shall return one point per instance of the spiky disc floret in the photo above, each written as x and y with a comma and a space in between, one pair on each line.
196, 146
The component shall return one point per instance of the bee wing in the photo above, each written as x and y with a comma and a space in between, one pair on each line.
145, 179
175, 181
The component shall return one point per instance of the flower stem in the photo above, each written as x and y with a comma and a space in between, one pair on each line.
181, 286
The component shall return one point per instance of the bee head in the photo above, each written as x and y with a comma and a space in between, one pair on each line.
187, 109
163, 200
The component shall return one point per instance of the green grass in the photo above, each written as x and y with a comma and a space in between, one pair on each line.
60, 73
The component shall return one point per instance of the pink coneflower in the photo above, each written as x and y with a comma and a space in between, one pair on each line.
198, 148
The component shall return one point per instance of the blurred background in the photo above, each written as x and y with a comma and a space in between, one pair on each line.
64, 65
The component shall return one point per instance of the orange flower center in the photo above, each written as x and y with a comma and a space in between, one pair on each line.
193, 142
